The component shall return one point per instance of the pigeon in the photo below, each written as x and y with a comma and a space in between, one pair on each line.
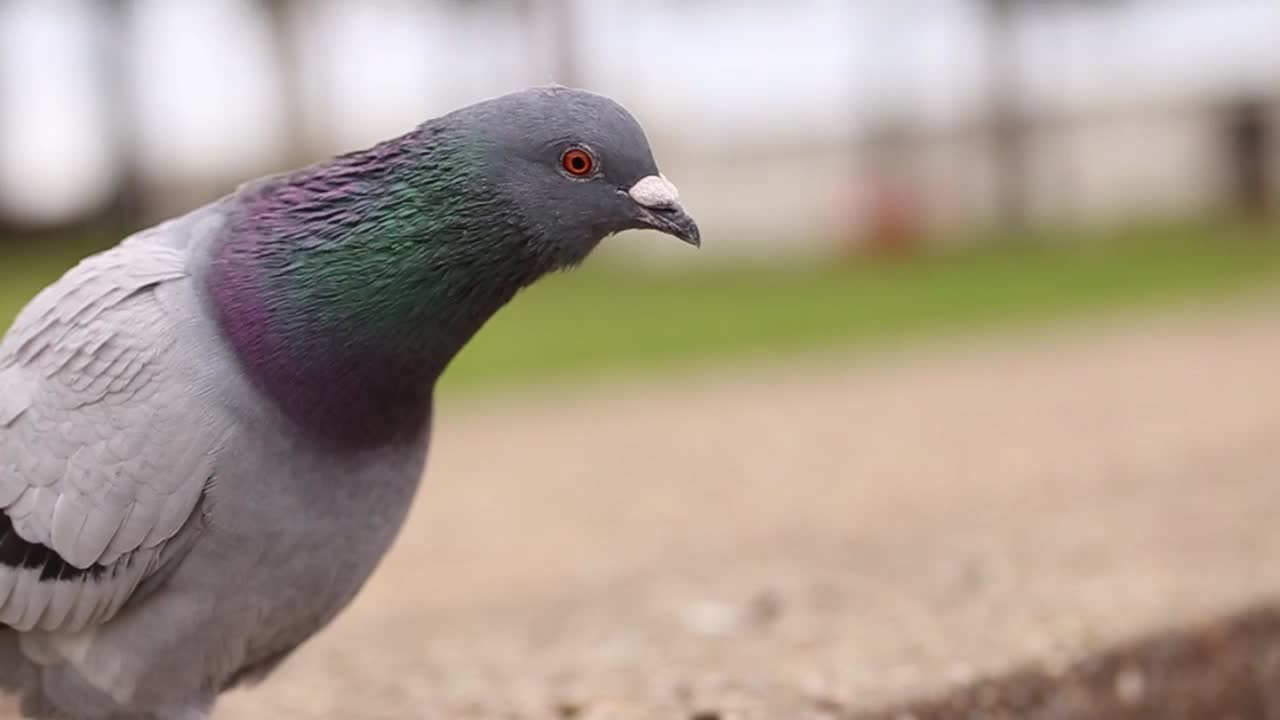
211, 433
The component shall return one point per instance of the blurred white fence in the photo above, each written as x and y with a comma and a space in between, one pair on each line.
762, 111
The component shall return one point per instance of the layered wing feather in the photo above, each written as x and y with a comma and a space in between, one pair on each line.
100, 464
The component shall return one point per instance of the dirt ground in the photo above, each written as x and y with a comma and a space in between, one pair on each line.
822, 540
1226, 668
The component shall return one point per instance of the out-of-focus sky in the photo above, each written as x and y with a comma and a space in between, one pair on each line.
713, 74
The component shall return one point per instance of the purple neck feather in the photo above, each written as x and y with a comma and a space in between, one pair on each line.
347, 288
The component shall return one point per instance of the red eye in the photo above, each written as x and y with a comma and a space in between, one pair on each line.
577, 162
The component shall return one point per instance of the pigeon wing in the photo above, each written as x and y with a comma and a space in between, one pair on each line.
101, 461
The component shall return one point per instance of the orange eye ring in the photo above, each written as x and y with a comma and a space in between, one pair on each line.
577, 162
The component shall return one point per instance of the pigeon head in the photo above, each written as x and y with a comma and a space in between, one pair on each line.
347, 287
576, 166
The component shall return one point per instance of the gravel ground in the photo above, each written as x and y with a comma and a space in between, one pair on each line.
823, 540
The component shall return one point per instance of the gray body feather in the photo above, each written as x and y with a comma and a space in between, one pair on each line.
131, 441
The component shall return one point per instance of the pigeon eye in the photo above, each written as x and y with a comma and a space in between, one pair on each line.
577, 162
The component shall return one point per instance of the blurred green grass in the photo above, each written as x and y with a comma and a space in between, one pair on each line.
610, 318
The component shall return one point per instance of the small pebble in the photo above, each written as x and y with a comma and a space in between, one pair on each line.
1130, 685
712, 618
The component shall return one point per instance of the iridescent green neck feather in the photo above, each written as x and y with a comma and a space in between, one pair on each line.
346, 288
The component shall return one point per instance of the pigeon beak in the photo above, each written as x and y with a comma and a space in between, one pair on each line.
662, 210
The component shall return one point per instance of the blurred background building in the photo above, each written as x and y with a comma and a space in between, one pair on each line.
791, 126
